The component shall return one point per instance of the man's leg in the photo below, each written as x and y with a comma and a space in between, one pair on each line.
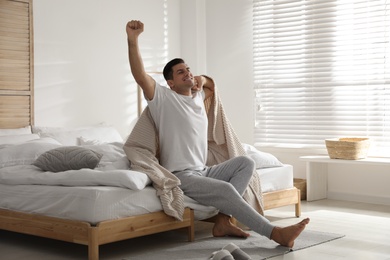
238, 171
227, 198
223, 196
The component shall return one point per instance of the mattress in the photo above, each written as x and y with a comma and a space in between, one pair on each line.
91, 204
94, 204
276, 178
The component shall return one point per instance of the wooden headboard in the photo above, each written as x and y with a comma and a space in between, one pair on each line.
16, 64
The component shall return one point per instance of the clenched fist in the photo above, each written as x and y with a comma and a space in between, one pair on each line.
133, 29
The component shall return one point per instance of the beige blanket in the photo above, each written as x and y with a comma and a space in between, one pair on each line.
142, 150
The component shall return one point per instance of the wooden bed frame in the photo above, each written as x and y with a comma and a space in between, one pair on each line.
17, 110
276, 199
93, 236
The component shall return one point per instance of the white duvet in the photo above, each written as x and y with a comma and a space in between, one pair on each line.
110, 191
113, 170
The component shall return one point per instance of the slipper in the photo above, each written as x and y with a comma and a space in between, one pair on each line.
236, 252
221, 255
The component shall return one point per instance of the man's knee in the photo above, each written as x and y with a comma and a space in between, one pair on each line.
249, 168
248, 163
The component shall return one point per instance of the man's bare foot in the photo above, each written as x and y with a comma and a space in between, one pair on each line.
286, 236
224, 227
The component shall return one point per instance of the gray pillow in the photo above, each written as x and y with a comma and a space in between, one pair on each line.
68, 158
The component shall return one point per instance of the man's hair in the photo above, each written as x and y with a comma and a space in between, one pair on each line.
168, 72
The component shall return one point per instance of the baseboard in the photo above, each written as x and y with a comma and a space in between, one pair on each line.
359, 198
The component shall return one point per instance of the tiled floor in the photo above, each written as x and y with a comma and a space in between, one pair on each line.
366, 226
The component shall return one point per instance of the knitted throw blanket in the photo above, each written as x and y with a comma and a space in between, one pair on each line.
142, 150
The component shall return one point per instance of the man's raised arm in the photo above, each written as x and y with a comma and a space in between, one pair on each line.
147, 83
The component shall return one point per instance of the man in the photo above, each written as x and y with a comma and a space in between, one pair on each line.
181, 121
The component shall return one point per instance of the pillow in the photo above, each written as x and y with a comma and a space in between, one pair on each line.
104, 134
17, 139
84, 141
50, 129
16, 131
68, 158
25, 153
111, 152
262, 159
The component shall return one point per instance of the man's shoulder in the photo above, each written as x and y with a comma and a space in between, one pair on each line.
162, 88
161, 92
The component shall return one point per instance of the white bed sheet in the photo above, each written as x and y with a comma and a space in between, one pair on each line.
276, 178
94, 204
91, 204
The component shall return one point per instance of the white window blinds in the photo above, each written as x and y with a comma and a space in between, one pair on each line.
322, 70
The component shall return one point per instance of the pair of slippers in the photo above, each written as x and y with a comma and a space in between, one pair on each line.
230, 252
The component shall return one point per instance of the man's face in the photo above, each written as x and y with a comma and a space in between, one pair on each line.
183, 80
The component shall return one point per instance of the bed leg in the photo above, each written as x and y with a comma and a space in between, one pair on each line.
191, 228
93, 245
298, 205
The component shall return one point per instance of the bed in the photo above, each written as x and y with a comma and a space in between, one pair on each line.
39, 203
32, 203
110, 213
86, 213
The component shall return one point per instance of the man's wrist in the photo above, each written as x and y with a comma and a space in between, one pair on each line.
131, 41
206, 79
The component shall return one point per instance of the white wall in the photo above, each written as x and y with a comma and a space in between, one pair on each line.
217, 40
229, 60
82, 75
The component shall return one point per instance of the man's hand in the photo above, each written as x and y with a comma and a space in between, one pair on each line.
133, 29
199, 81
204, 83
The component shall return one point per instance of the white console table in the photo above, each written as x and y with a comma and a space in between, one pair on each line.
317, 173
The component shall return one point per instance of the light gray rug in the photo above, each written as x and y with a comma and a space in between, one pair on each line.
256, 246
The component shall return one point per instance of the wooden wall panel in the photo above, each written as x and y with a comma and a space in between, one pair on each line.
16, 64
14, 111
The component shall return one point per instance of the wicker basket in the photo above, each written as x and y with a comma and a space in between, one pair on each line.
348, 148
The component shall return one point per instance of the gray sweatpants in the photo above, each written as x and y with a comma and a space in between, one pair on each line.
222, 187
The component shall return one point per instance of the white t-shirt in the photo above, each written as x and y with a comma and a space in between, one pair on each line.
181, 122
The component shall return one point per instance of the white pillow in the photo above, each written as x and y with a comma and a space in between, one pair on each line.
262, 159
104, 134
16, 139
50, 129
111, 152
16, 131
26, 153
84, 141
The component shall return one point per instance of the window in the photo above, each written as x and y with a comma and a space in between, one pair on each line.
322, 70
